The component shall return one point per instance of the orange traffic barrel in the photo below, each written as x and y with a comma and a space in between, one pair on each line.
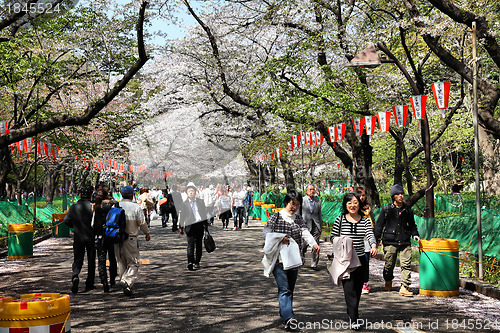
40, 312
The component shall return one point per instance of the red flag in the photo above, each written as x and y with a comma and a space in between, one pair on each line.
340, 131
400, 114
319, 138
418, 106
332, 132
441, 92
358, 124
370, 122
296, 141
384, 120
3, 128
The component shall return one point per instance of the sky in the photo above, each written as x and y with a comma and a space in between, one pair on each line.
173, 31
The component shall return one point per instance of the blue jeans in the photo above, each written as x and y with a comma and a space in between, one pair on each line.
286, 283
238, 216
247, 211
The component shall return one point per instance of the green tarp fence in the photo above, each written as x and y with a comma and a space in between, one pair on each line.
456, 217
459, 223
12, 213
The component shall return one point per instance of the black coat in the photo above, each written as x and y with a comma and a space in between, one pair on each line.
79, 217
395, 225
187, 221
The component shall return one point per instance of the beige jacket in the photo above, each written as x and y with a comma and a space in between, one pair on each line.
345, 259
145, 200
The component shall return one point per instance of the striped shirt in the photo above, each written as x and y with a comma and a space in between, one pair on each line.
356, 231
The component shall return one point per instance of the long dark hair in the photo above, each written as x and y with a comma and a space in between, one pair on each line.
348, 197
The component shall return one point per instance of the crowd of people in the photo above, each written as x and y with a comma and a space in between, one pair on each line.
355, 236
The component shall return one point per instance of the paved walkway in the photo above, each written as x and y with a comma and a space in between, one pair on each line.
228, 294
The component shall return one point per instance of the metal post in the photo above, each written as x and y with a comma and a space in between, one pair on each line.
260, 190
476, 154
302, 185
34, 187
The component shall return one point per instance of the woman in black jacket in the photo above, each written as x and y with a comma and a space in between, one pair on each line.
105, 246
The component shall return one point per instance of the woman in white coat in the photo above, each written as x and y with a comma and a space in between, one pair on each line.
290, 226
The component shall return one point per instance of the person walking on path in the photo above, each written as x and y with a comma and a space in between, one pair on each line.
248, 203
224, 209
286, 227
79, 217
311, 213
239, 208
357, 227
395, 226
366, 211
105, 246
208, 196
193, 221
175, 206
146, 202
127, 252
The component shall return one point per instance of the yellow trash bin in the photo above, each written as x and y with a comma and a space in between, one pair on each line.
40, 312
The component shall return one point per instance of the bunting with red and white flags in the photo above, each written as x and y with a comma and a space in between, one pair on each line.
441, 92
370, 123
332, 132
319, 138
384, 120
358, 125
28, 145
4, 130
295, 141
400, 114
279, 152
418, 105
340, 134
303, 139
289, 145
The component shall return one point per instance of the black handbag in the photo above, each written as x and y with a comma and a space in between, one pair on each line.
209, 242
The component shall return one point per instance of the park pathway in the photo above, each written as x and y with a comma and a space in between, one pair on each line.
228, 294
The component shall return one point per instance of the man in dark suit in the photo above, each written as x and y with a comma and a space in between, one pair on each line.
311, 212
193, 220
176, 203
79, 217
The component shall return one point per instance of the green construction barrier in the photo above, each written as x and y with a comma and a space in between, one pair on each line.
438, 267
20, 243
59, 228
257, 210
266, 211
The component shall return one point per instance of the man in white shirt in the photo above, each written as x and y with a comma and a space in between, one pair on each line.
239, 208
208, 196
127, 253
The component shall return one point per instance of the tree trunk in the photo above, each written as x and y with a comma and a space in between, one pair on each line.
491, 163
288, 173
50, 182
5, 165
272, 172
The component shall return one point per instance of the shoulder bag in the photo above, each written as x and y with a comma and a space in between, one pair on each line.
209, 242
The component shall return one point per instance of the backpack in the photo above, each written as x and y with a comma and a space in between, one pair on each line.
115, 225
